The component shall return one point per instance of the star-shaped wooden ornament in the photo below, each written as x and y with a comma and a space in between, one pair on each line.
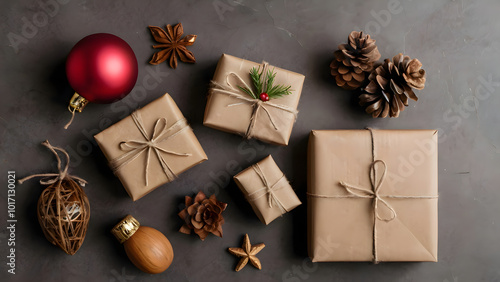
247, 253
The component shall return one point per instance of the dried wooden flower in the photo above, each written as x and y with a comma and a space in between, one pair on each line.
203, 215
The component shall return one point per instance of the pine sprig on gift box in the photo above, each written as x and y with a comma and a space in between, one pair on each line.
276, 91
257, 79
267, 91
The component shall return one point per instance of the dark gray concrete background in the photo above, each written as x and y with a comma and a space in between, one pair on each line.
457, 41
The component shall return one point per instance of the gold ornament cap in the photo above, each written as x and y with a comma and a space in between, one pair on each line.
125, 228
77, 103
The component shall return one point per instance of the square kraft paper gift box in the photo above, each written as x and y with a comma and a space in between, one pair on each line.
150, 147
232, 110
373, 195
267, 190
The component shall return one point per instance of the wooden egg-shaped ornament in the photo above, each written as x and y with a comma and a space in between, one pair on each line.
147, 248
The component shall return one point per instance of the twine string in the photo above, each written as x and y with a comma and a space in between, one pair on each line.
269, 190
134, 148
72, 111
374, 193
51, 178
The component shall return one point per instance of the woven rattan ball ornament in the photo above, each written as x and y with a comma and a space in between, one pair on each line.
63, 209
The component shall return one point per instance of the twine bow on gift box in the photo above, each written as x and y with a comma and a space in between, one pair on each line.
376, 184
268, 190
134, 148
374, 194
256, 104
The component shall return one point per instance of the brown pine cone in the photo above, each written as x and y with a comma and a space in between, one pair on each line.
353, 60
203, 215
391, 85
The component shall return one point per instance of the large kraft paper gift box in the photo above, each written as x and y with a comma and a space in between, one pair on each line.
150, 147
373, 195
232, 110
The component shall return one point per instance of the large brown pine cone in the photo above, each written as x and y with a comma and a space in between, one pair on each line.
391, 85
203, 215
353, 60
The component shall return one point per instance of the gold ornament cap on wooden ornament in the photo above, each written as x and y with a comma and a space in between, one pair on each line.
147, 248
125, 228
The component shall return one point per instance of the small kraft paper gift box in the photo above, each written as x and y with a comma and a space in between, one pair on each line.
267, 190
150, 147
234, 104
373, 195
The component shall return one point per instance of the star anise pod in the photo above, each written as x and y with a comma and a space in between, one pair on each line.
173, 45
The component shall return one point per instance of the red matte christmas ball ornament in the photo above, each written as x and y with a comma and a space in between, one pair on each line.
101, 68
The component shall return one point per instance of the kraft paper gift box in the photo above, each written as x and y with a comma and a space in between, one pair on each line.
232, 110
347, 220
150, 147
267, 190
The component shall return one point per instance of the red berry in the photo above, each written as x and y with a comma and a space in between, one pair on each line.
264, 97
